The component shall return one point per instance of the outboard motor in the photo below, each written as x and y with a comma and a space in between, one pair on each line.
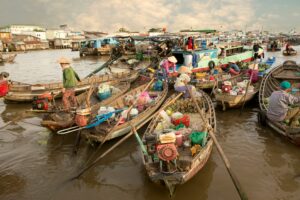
42, 102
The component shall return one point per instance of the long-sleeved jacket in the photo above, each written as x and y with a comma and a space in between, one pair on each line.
70, 78
278, 104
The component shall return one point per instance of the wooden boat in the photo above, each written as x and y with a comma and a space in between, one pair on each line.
271, 47
178, 165
228, 100
290, 71
206, 81
60, 120
291, 53
98, 133
22, 92
8, 58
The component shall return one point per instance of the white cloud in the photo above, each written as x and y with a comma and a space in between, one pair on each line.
175, 15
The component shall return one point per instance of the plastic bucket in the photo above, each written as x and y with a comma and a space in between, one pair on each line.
104, 95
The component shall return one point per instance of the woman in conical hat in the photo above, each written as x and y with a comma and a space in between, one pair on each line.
182, 81
168, 63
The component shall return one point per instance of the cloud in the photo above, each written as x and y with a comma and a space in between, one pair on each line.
175, 15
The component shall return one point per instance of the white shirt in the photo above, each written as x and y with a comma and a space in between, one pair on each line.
181, 80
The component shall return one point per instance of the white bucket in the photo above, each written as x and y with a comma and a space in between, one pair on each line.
188, 60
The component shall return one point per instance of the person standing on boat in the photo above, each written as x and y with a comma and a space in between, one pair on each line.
70, 78
279, 102
166, 64
256, 49
190, 43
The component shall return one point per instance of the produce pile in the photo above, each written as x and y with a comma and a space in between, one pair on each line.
238, 89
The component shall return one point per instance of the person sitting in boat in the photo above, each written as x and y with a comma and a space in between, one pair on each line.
232, 68
168, 63
190, 44
182, 80
70, 78
288, 48
279, 102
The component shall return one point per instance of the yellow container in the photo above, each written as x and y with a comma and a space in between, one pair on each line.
200, 75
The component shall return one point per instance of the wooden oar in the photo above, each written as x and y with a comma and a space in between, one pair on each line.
124, 139
236, 183
119, 121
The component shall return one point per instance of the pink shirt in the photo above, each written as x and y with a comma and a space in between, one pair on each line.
167, 65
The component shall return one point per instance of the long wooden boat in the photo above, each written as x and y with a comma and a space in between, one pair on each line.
98, 133
22, 92
8, 58
209, 58
290, 71
291, 53
60, 120
228, 100
172, 163
271, 48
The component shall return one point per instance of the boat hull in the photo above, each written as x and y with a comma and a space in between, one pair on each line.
187, 165
24, 93
270, 83
292, 53
232, 101
138, 121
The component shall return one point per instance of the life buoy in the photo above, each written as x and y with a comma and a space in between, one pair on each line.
211, 64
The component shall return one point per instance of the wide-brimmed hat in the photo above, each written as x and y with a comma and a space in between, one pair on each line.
172, 59
63, 60
184, 70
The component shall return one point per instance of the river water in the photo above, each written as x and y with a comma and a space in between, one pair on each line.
35, 164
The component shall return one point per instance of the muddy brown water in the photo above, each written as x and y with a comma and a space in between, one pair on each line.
34, 164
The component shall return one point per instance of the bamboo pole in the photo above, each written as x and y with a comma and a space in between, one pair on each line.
236, 183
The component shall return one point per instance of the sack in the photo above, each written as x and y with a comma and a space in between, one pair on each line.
176, 115
143, 99
103, 110
158, 86
185, 120
226, 88
128, 100
167, 138
104, 91
198, 138
104, 95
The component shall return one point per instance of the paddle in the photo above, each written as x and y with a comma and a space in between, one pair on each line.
236, 183
119, 121
123, 139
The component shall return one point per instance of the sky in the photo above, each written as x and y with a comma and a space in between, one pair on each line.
141, 15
